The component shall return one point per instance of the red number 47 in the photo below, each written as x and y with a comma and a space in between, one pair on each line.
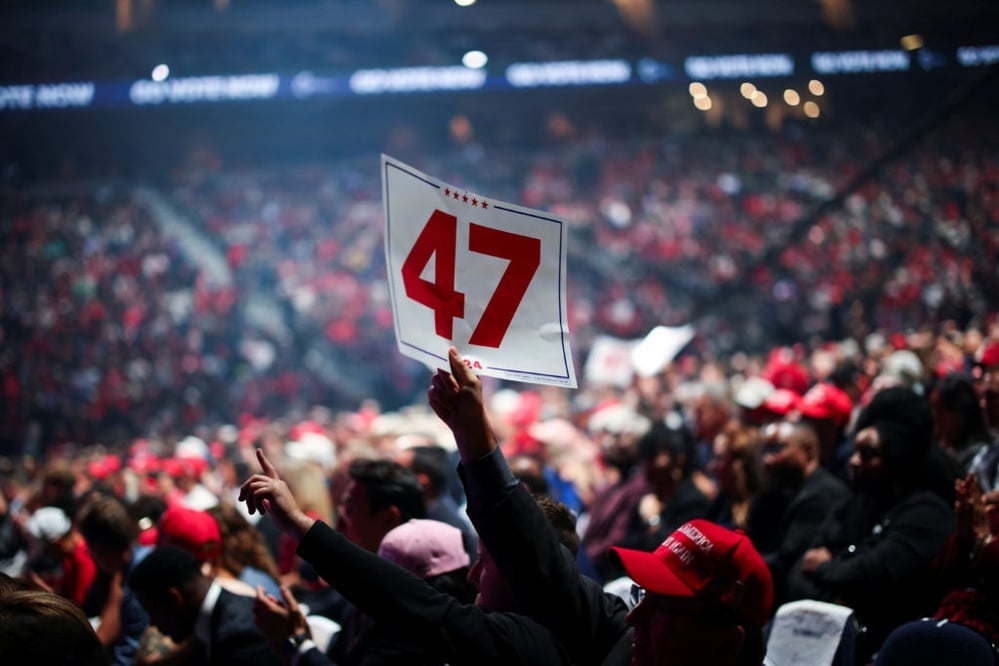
440, 236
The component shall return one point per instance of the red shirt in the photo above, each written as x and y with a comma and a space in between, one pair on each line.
79, 571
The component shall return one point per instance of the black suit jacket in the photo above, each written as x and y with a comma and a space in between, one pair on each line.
784, 523
234, 638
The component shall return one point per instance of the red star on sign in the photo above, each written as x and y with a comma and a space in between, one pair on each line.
447, 191
464, 198
475, 202
456, 195
485, 205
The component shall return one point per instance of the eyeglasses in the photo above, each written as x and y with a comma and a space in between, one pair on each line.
868, 453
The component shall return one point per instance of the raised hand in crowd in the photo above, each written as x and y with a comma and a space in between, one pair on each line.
279, 620
457, 399
267, 493
971, 511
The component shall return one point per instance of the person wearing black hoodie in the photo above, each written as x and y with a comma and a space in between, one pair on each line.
874, 553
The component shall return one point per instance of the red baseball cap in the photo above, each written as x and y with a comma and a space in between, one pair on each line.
782, 402
825, 401
705, 561
194, 531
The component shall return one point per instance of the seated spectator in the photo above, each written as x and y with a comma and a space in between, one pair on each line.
736, 468
199, 533
60, 539
112, 538
705, 595
958, 421
244, 552
800, 494
183, 602
667, 460
618, 430
968, 567
873, 554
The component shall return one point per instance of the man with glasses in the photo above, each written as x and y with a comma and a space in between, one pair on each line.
874, 553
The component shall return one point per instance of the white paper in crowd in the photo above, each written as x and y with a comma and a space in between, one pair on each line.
609, 362
483, 275
659, 347
807, 633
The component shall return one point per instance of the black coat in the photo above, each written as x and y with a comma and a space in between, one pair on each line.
393, 597
541, 572
235, 639
783, 523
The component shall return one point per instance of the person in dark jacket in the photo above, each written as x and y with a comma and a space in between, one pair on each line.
454, 633
594, 626
785, 519
874, 553
182, 601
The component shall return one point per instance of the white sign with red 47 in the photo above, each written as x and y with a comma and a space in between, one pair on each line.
485, 276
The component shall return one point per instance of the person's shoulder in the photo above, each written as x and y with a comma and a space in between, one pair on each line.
825, 483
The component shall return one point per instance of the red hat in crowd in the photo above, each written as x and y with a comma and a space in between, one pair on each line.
783, 372
705, 561
988, 355
782, 402
825, 401
194, 531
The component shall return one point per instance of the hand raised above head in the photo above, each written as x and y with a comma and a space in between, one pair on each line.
267, 493
457, 399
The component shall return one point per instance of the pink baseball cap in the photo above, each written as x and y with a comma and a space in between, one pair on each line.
425, 548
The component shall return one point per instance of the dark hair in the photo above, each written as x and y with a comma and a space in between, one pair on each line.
956, 392
678, 442
456, 584
164, 568
529, 470
105, 521
147, 506
242, 544
562, 521
390, 484
44, 628
905, 424
431, 461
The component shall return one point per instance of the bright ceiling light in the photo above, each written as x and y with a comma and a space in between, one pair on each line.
464, 3
792, 97
759, 99
703, 103
816, 88
811, 109
160, 73
747, 90
474, 59
698, 90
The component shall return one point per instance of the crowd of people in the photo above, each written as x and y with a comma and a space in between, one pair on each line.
182, 486
668, 523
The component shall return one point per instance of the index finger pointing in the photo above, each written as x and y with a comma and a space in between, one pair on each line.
265, 464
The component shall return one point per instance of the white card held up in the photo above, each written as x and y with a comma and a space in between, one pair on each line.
482, 275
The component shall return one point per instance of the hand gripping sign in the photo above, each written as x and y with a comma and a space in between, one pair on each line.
485, 276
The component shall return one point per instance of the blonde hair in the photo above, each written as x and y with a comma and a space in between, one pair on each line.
308, 484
